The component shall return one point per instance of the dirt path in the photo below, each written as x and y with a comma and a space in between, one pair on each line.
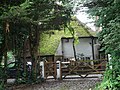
68, 84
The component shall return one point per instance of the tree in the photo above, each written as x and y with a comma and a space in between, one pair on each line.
24, 20
109, 19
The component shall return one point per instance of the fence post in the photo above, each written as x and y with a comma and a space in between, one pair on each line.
58, 69
55, 70
42, 64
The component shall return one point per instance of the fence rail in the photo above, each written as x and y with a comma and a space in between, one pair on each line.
50, 69
83, 67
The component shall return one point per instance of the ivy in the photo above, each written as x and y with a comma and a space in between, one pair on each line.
22, 22
109, 19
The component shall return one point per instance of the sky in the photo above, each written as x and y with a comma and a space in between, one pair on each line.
84, 18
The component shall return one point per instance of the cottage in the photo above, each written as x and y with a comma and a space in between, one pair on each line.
59, 43
85, 49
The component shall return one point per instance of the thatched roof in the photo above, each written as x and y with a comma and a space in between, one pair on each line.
49, 40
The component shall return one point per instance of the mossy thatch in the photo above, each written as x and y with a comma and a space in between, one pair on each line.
49, 40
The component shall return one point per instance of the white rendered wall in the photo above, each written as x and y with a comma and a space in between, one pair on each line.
84, 47
59, 49
68, 48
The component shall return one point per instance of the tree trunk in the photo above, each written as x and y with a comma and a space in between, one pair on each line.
73, 35
2, 49
5, 52
74, 49
24, 57
33, 42
5, 66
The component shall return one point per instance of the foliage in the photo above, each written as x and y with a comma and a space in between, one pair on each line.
109, 19
42, 15
2, 86
21, 22
1, 78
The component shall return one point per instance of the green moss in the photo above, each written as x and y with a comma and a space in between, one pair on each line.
49, 40
80, 31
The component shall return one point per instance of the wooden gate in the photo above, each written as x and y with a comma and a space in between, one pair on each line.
50, 69
83, 68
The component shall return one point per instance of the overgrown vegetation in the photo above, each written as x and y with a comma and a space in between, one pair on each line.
108, 14
21, 23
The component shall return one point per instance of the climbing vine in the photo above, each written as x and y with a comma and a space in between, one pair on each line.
21, 24
108, 12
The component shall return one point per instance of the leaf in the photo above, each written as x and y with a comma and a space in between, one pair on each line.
118, 78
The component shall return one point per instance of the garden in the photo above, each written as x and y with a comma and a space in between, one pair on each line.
22, 23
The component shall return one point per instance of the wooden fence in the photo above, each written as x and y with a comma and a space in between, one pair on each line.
50, 69
83, 68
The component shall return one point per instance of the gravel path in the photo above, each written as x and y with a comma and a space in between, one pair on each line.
67, 84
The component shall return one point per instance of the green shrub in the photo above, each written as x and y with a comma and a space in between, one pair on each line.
2, 86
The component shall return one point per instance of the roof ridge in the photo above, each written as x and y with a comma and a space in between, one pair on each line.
86, 28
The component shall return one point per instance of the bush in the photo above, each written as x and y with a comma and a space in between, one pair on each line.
2, 86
